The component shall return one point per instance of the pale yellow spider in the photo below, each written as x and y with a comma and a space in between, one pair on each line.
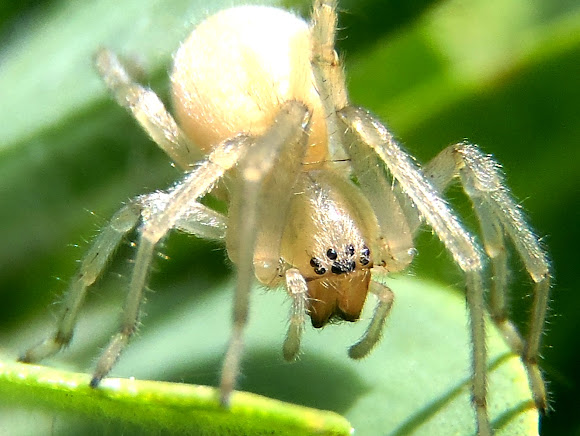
321, 198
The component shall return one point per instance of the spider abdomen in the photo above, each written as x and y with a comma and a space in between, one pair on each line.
236, 68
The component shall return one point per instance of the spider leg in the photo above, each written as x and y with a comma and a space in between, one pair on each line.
283, 145
328, 71
197, 219
91, 267
298, 290
376, 138
374, 331
396, 235
499, 215
147, 109
277, 157
155, 226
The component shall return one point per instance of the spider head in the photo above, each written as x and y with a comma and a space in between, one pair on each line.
327, 239
340, 284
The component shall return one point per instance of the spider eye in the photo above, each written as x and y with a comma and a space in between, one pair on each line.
331, 254
315, 263
365, 255
349, 250
336, 269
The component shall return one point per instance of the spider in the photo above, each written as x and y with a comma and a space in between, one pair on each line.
321, 198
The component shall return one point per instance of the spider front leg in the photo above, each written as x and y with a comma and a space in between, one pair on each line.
173, 214
371, 137
261, 196
500, 216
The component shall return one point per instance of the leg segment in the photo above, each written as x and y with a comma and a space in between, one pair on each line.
328, 72
286, 139
370, 133
91, 268
396, 235
197, 220
374, 331
155, 226
499, 215
277, 157
147, 109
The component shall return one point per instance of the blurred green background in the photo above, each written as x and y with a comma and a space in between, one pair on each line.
502, 74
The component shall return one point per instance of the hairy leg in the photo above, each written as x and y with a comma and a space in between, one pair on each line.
92, 266
499, 216
298, 290
375, 329
286, 139
466, 253
147, 109
156, 226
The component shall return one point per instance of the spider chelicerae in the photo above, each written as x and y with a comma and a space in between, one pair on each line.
321, 198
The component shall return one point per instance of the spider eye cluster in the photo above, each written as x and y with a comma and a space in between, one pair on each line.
343, 264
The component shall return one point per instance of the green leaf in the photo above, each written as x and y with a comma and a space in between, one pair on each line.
159, 406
